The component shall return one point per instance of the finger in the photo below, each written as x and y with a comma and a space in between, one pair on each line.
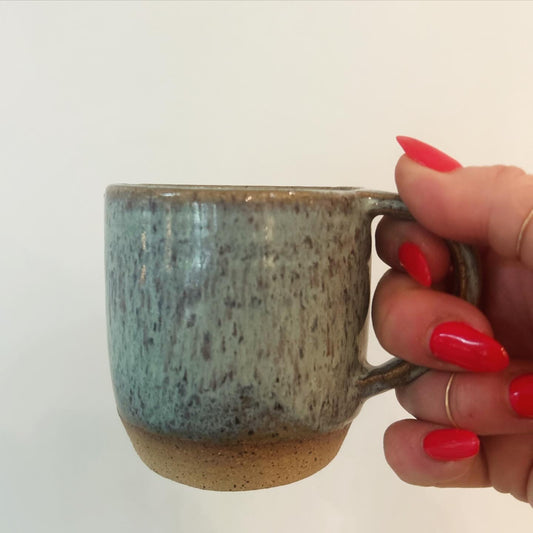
405, 453
433, 329
483, 403
503, 462
479, 205
392, 234
510, 462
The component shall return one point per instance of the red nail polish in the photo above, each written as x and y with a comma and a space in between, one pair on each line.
462, 345
426, 155
521, 395
414, 262
451, 444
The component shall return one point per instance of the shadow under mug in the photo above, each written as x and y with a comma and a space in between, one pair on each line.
237, 325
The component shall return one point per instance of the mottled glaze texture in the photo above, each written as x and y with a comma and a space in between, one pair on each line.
237, 322
234, 312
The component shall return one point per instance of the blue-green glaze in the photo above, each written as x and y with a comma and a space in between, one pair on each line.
239, 311
236, 310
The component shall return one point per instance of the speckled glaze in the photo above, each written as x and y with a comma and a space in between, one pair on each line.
239, 314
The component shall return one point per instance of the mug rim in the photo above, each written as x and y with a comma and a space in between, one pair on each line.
246, 193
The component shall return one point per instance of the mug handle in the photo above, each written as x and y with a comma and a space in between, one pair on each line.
467, 285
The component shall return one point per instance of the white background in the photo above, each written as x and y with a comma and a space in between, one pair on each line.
245, 93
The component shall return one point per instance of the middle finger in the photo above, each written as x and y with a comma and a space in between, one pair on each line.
433, 329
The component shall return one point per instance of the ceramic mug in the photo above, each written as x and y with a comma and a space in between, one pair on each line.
237, 324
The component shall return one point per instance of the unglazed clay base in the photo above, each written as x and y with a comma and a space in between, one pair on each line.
240, 466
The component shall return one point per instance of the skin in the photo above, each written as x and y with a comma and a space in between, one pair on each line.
486, 207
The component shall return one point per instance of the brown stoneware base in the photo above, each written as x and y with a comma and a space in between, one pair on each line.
238, 466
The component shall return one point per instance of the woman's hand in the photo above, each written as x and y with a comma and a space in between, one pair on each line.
489, 350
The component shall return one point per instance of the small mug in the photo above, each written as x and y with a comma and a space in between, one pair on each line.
237, 325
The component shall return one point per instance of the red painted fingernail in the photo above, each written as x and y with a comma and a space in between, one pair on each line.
426, 155
462, 345
451, 444
414, 262
521, 395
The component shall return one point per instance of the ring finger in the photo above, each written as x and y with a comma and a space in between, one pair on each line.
487, 403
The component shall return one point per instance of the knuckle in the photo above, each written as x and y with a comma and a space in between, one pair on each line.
464, 413
383, 308
388, 308
506, 173
511, 193
529, 487
524, 491
465, 410
514, 475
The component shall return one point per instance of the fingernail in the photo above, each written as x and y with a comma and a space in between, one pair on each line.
521, 395
414, 262
451, 444
464, 346
426, 155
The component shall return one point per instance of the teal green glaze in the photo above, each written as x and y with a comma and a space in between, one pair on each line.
227, 314
240, 311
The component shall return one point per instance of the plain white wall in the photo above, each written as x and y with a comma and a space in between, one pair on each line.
301, 93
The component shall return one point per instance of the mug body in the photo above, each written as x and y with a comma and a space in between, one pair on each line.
237, 327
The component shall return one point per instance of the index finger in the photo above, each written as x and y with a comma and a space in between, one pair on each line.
489, 206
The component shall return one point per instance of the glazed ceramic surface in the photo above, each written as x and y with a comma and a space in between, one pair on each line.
239, 315
236, 308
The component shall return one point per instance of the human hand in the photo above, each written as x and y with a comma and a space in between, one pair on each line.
491, 394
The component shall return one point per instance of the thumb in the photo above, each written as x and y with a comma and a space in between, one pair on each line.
486, 206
